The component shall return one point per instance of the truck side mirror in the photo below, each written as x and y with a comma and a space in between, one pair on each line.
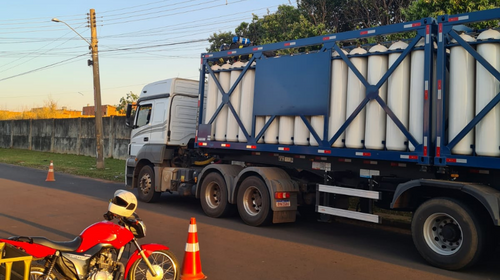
128, 115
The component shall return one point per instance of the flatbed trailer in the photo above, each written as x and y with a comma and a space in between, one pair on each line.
321, 123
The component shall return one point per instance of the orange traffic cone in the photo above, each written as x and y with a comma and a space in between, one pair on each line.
50, 175
191, 266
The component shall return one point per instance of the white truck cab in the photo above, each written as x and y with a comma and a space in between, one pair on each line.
163, 125
165, 115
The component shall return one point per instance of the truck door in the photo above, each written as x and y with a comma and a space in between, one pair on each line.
159, 122
141, 133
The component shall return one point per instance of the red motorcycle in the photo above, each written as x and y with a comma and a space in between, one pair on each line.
97, 252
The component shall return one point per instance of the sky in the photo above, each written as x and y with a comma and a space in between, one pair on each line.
140, 42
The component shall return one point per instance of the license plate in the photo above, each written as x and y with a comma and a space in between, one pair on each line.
282, 203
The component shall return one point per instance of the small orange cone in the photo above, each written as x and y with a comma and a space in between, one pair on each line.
191, 266
50, 175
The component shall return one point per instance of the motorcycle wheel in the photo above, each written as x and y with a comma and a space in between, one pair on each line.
37, 270
164, 262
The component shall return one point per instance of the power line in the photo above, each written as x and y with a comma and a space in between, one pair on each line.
153, 8
179, 13
34, 52
41, 68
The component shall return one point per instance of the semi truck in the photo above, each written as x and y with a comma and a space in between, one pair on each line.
343, 125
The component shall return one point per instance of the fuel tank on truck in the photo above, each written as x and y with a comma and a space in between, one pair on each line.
375, 115
356, 92
212, 93
461, 97
487, 87
398, 95
232, 125
338, 97
221, 121
417, 91
246, 105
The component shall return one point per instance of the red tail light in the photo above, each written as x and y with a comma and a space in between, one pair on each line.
281, 195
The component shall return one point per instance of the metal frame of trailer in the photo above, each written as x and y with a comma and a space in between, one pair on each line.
330, 43
444, 146
431, 152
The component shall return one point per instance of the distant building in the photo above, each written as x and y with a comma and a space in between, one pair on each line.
70, 113
107, 110
59, 113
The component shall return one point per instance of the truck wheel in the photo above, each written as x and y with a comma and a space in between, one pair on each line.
146, 185
214, 196
254, 202
448, 234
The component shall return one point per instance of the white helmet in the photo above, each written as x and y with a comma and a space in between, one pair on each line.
123, 203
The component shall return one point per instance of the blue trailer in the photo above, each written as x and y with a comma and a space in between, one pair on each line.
321, 124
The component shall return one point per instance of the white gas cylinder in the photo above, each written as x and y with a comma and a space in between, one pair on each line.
221, 121
398, 95
487, 87
232, 124
375, 115
417, 94
259, 125
246, 105
318, 124
461, 97
212, 93
356, 92
286, 127
271, 134
338, 96
300, 132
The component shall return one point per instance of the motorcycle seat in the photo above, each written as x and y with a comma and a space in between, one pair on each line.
63, 246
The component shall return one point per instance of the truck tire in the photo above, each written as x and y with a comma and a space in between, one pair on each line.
146, 185
214, 196
254, 202
448, 234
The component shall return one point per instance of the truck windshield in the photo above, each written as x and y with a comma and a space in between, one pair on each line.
144, 115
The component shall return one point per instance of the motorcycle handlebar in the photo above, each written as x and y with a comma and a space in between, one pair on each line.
132, 219
108, 216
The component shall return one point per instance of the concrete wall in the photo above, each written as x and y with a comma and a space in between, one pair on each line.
66, 136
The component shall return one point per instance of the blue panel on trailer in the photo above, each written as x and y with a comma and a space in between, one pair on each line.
293, 85
204, 131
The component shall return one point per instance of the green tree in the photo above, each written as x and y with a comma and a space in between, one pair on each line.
216, 40
129, 98
287, 23
330, 13
433, 8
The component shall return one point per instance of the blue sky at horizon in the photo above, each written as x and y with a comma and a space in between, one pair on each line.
139, 43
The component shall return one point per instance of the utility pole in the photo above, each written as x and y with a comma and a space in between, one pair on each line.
97, 91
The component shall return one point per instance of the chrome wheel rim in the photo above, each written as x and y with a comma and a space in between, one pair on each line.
252, 201
213, 195
145, 183
161, 263
443, 234
37, 275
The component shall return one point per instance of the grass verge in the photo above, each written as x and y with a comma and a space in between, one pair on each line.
65, 163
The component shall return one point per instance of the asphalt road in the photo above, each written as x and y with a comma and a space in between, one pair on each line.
229, 249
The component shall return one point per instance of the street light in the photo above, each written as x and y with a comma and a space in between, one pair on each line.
97, 86
58, 20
